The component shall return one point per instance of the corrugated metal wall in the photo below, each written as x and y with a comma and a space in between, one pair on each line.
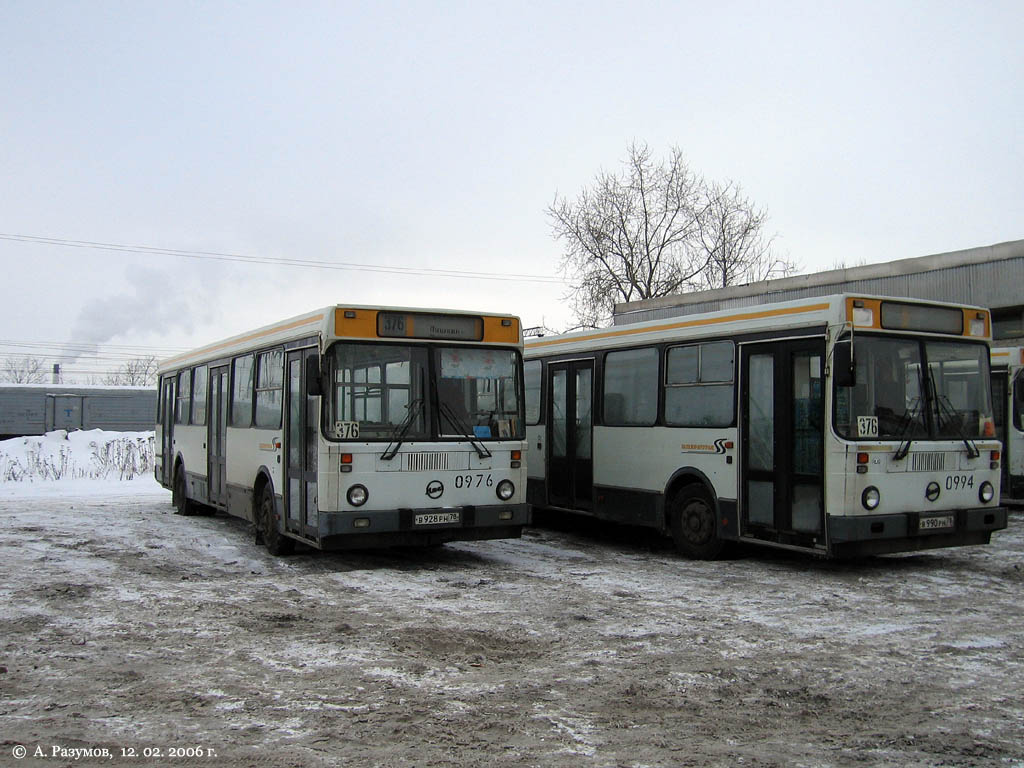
992, 283
33, 410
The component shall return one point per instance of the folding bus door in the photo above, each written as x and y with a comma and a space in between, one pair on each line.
167, 430
570, 434
301, 431
1003, 416
782, 442
217, 436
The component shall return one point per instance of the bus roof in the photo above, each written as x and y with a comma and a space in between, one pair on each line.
329, 323
835, 311
1007, 356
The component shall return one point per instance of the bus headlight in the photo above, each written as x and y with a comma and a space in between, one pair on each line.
986, 493
505, 490
357, 495
871, 498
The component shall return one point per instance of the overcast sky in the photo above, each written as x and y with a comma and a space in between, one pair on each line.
433, 135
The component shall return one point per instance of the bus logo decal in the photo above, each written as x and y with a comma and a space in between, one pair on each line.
435, 489
719, 447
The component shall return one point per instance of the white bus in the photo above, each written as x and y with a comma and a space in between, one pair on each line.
839, 426
352, 426
1008, 404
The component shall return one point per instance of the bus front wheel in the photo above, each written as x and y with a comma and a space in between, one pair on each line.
693, 522
179, 497
277, 543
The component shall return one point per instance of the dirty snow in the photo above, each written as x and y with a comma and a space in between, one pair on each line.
126, 627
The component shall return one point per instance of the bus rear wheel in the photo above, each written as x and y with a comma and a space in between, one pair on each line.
694, 524
277, 543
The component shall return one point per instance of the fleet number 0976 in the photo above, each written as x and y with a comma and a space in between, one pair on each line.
473, 481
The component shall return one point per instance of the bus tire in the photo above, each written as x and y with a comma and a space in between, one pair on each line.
277, 543
694, 523
179, 496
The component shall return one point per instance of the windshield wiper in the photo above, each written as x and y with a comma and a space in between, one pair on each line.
942, 401
398, 435
909, 417
465, 431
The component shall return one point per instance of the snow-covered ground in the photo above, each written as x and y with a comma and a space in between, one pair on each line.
125, 627
52, 459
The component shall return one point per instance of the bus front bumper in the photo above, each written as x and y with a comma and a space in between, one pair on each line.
421, 527
910, 532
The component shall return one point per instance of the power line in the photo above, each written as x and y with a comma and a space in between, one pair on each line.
78, 349
278, 261
87, 344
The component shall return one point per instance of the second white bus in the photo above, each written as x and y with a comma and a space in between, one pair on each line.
839, 426
1008, 406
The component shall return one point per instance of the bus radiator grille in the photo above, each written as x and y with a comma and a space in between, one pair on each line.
928, 462
428, 462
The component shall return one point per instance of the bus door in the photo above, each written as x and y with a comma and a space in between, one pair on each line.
217, 426
1002, 416
570, 427
167, 430
300, 496
783, 410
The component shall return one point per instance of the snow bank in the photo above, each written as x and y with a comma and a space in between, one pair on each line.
62, 456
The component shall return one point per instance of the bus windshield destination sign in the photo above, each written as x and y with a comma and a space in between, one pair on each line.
423, 326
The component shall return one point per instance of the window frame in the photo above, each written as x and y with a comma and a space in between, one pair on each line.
258, 390
183, 396
540, 394
605, 421
251, 390
666, 386
1016, 383
199, 403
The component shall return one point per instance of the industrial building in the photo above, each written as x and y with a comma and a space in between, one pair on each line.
990, 276
34, 409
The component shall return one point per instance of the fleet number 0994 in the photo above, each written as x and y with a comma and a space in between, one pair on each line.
959, 482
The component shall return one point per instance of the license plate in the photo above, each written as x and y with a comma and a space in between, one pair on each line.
935, 523
437, 518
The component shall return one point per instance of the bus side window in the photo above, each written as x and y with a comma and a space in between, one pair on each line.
241, 391
184, 400
1018, 400
269, 387
632, 375
199, 378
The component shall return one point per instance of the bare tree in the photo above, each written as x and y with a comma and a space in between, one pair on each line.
730, 234
629, 237
24, 370
138, 372
655, 230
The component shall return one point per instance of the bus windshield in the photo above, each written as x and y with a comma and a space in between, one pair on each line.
478, 392
911, 389
386, 391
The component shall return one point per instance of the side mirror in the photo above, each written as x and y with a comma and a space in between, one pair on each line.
843, 369
314, 381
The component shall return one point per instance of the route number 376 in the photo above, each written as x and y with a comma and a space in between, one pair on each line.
347, 430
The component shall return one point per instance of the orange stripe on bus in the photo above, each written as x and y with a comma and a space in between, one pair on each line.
685, 324
203, 351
